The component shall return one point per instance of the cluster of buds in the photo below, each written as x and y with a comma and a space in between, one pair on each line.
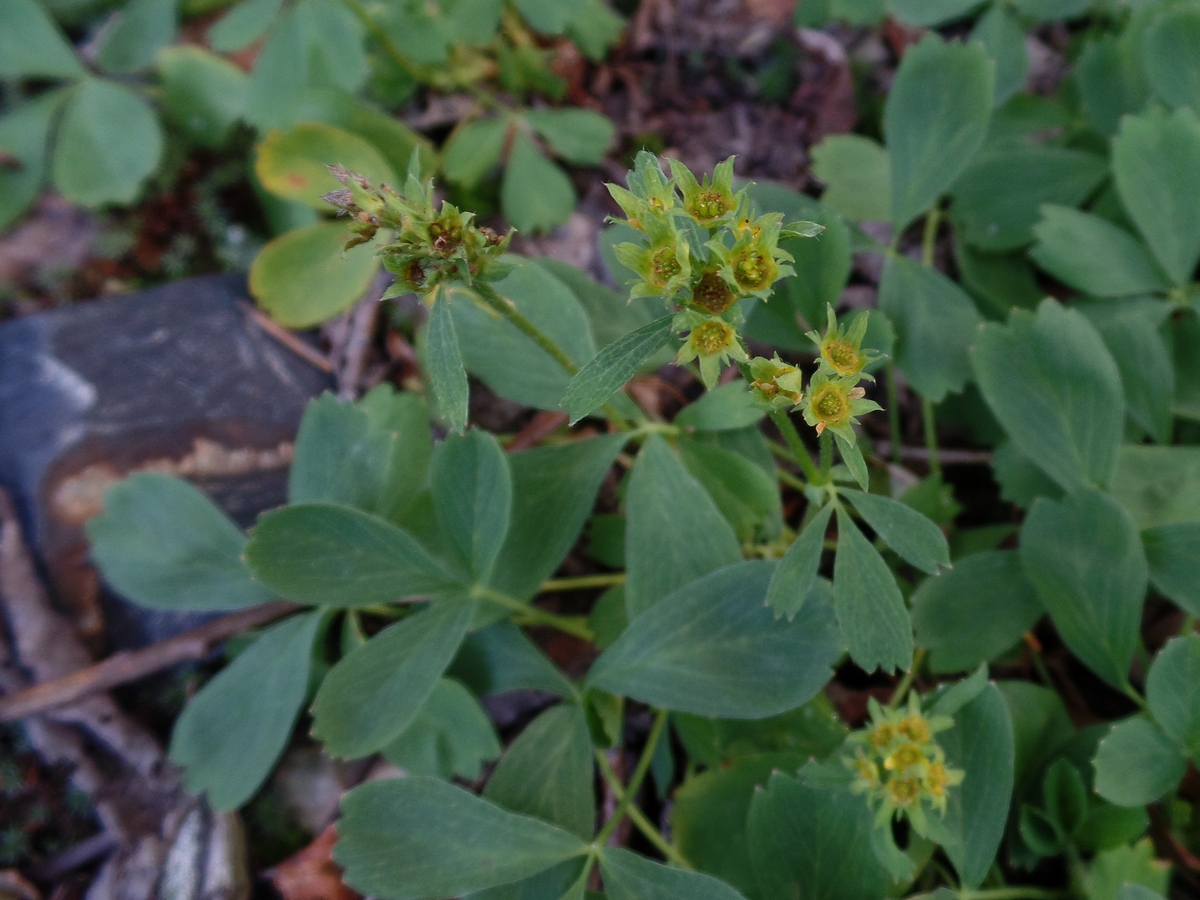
900, 767
704, 249
835, 398
427, 244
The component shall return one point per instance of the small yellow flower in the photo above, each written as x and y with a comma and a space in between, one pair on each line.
905, 757
882, 736
915, 728
904, 792
713, 293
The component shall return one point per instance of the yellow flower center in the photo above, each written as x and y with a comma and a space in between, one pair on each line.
904, 791
753, 270
711, 337
664, 265
916, 729
882, 735
905, 757
936, 780
710, 205
843, 357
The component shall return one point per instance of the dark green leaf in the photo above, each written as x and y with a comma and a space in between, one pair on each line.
1111, 83
797, 571
502, 658
447, 377
472, 495
338, 457
536, 195
411, 838
243, 25
975, 611
473, 150
24, 135
936, 324
375, 692
1136, 764
1169, 56
604, 375
109, 142
713, 648
1001, 33
1173, 552
1084, 555
725, 407
1158, 485
451, 737
547, 772
870, 609
914, 536
405, 419
163, 544
31, 44
981, 744
549, 16
1156, 165
331, 555
857, 176
1092, 254
660, 555
812, 842
935, 119
628, 876
580, 136
141, 27
204, 94
747, 496
235, 728
924, 13
1173, 691
277, 84
1056, 390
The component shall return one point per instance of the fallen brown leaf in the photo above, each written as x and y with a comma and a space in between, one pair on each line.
312, 874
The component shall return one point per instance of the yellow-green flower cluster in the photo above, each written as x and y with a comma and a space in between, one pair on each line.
429, 244
703, 248
899, 765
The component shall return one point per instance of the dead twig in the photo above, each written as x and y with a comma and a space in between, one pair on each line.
947, 457
289, 340
122, 668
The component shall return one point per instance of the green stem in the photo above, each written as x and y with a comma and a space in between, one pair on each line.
637, 817
893, 397
800, 454
1014, 893
532, 615
789, 479
931, 441
635, 782
929, 238
906, 682
826, 456
382, 38
582, 582
1189, 625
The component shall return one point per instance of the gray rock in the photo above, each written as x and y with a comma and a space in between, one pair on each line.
177, 379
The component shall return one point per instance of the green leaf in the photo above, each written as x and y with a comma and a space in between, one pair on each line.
1137, 892
474, 149
502, 658
1173, 691
936, 324
628, 876
714, 649
394, 140
1128, 873
334, 37
536, 195
1173, 553
1111, 84
109, 142
1158, 485
281, 74
747, 496
997, 281
725, 407
912, 535
231, 733
1084, 556
1136, 763
580, 136
508, 361
981, 744
998, 198
924, 13
163, 544
797, 571
204, 94
1056, 390
304, 277
1169, 57
410, 838
444, 362
661, 556
339, 457
1053, 10
31, 44
243, 24
140, 29
605, 374
451, 737
935, 119
974, 612
331, 555
554, 490
811, 730
609, 312
404, 419
376, 691
1132, 332
294, 164
1092, 254
472, 495
811, 842
548, 772
1156, 166
870, 609
549, 16
857, 176
25, 135
1003, 37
